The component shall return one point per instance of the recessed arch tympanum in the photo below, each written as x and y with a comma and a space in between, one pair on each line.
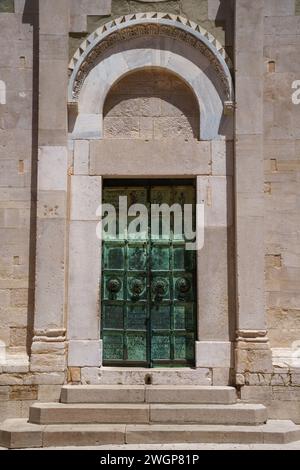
151, 104
134, 42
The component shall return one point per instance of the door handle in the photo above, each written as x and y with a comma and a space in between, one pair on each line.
183, 285
160, 288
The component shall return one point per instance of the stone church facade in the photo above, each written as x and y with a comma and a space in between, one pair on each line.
103, 96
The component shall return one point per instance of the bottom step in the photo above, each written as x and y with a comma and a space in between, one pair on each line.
18, 434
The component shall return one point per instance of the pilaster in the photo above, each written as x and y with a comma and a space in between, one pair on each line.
253, 353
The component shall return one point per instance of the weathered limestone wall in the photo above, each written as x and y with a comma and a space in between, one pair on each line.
280, 390
16, 59
282, 172
214, 15
282, 204
151, 104
23, 67
267, 53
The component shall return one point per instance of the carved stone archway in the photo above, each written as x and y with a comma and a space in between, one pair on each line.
144, 40
129, 44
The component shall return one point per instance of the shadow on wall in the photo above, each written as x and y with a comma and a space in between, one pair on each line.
31, 16
225, 20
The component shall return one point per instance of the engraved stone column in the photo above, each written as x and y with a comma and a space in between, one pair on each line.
252, 348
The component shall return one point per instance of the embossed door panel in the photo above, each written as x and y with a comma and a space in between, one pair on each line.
148, 286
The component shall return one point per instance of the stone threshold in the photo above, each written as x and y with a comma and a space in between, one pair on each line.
145, 376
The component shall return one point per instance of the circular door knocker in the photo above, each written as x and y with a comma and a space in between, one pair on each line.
136, 288
183, 286
160, 287
114, 285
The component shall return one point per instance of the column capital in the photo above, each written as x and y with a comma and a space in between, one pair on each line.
252, 336
49, 335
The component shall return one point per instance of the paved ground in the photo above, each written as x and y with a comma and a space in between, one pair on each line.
293, 446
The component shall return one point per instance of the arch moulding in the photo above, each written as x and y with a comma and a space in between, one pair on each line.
143, 40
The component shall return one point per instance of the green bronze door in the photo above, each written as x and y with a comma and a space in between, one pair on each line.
148, 284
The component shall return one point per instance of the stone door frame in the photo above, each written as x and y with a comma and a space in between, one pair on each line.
75, 289
188, 63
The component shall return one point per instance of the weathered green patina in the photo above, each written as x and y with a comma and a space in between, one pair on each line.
148, 288
7, 6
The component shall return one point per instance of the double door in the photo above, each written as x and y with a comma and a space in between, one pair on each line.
148, 284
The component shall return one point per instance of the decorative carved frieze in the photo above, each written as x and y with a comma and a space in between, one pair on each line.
126, 28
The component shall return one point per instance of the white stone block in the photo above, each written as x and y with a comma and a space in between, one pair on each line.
85, 197
249, 111
2, 92
279, 7
250, 272
53, 168
137, 376
78, 23
222, 157
219, 10
250, 205
49, 298
88, 126
84, 289
84, 353
170, 157
54, 17
81, 157
91, 7
2, 352
213, 354
216, 194
51, 204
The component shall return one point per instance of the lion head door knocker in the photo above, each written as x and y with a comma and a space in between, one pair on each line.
160, 288
136, 288
183, 286
113, 286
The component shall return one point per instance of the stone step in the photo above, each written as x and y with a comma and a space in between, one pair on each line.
18, 434
279, 432
149, 394
61, 413
128, 413
237, 414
